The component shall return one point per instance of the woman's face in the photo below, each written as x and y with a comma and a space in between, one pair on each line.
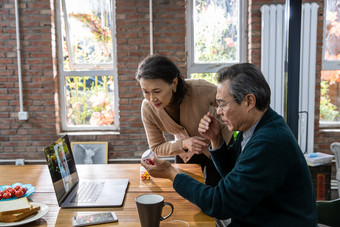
157, 91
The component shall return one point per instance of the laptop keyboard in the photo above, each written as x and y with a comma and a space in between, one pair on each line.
88, 192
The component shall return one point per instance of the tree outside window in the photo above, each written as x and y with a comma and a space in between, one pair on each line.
216, 31
215, 36
330, 76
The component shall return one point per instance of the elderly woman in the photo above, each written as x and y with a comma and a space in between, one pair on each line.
175, 106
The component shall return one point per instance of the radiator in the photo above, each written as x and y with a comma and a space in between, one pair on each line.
272, 64
272, 53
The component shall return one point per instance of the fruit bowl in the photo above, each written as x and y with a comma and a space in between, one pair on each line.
30, 189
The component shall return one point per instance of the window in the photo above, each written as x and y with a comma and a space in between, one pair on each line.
330, 75
215, 37
87, 65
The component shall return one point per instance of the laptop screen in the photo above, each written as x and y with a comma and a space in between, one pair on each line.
62, 167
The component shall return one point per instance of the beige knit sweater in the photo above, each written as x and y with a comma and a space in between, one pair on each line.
200, 99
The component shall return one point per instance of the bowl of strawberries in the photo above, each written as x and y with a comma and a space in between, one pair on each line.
15, 191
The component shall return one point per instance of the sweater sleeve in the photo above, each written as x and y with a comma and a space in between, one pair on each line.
256, 174
156, 138
225, 157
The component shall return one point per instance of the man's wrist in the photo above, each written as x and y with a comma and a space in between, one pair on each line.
173, 174
217, 142
218, 148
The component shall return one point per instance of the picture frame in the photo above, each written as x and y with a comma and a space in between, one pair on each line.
90, 152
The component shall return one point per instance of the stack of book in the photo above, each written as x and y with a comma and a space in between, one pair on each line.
318, 158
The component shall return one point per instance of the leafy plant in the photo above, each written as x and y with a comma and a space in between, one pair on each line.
328, 111
211, 77
101, 32
90, 100
215, 31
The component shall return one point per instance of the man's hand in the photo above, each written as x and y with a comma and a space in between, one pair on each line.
194, 144
209, 128
160, 169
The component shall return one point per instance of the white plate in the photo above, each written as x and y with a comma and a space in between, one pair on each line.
43, 210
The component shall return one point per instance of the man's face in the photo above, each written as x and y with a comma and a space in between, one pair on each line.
234, 115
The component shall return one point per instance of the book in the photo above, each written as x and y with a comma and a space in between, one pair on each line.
318, 158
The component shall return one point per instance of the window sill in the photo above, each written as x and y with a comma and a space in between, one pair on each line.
101, 133
330, 129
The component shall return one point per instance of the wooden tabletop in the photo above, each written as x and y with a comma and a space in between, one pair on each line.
185, 213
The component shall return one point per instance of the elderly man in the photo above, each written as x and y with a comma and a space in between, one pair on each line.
265, 178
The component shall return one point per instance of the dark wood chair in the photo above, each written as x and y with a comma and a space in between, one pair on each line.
329, 212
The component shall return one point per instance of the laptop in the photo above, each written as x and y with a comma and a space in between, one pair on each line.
74, 192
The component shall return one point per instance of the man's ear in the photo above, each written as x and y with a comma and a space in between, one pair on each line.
250, 101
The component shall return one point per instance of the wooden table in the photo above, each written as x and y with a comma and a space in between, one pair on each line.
185, 213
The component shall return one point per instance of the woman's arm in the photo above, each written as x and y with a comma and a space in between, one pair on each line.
156, 138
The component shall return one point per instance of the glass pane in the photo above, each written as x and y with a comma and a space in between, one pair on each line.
211, 77
330, 96
87, 34
332, 36
89, 100
216, 31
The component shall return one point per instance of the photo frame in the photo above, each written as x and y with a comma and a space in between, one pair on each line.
90, 152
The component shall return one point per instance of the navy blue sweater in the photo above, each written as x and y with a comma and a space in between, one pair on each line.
267, 184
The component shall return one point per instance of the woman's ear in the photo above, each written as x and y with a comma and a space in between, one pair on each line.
174, 83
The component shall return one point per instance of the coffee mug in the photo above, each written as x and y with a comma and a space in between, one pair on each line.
150, 208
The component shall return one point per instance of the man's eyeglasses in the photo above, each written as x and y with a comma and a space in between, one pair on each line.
221, 105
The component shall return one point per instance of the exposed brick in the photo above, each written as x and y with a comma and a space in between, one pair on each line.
40, 79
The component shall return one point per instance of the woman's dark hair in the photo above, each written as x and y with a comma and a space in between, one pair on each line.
159, 67
246, 78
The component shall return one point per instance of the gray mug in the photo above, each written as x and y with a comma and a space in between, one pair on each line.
150, 208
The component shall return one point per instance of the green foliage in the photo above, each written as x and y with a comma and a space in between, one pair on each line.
215, 30
328, 111
235, 133
211, 77
89, 101
93, 46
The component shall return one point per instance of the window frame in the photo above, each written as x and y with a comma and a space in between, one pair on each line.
96, 71
193, 67
328, 65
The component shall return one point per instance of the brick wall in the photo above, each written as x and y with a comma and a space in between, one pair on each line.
26, 139
21, 138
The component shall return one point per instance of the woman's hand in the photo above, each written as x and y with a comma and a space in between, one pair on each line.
209, 128
194, 144
160, 169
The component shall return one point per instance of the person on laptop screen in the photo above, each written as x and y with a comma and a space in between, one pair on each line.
58, 155
63, 166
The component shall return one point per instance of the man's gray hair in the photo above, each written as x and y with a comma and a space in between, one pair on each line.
246, 78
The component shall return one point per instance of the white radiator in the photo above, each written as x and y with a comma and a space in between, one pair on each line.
272, 53
272, 64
